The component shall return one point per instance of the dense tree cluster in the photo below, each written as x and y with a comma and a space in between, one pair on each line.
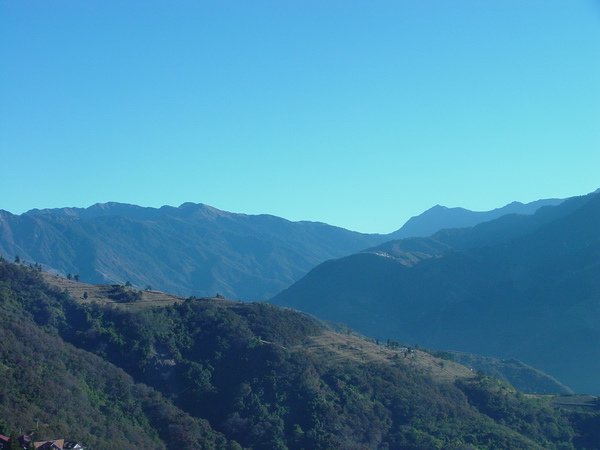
53, 389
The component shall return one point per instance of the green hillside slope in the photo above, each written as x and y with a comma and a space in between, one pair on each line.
60, 391
272, 378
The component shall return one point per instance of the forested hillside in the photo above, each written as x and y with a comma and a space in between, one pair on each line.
58, 390
260, 375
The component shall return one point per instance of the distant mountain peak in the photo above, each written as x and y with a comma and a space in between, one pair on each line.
437, 207
441, 217
108, 205
202, 210
191, 205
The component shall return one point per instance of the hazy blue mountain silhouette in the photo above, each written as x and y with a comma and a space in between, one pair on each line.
441, 217
525, 287
193, 249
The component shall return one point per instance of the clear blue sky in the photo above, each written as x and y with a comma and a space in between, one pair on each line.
355, 113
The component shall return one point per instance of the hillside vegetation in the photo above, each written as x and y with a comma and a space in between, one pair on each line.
520, 375
59, 390
262, 376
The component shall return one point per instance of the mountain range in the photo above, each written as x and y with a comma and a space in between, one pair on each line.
191, 250
196, 249
520, 286
137, 367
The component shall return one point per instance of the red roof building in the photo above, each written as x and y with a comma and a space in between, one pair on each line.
4, 442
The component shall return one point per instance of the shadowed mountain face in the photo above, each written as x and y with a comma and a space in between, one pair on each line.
193, 249
196, 249
440, 217
525, 287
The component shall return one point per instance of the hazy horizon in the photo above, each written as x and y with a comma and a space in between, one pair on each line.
286, 218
